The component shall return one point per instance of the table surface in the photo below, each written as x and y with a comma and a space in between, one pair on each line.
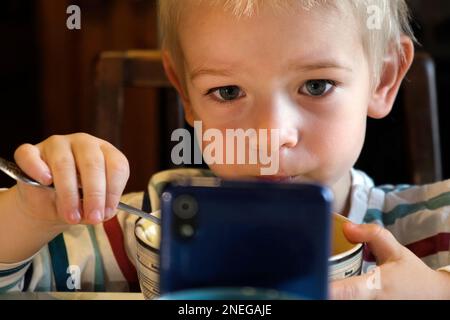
71, 296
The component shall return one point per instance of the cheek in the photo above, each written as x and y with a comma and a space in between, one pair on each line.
343, 139
220, 117
347, 126
335, 137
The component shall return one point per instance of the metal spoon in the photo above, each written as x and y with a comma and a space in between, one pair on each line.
12, 170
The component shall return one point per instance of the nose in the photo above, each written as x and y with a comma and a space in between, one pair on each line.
282, 114
288, 138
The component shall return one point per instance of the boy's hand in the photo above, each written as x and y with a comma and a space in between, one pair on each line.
69, 162
399, 275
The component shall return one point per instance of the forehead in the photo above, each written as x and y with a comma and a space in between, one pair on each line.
214, 35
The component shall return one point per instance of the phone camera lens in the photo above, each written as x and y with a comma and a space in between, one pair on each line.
185, 207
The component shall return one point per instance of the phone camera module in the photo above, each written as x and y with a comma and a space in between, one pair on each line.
185, 207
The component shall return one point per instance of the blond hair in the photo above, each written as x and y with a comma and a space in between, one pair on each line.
377, 39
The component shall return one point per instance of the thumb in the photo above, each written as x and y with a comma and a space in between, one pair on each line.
380, 241
364, 287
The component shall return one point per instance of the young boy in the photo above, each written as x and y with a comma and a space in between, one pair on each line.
315, 70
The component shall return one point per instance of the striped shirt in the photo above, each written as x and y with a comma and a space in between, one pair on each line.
104, 255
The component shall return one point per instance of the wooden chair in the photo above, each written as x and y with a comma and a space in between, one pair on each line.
421, 115
138, 69
119, 70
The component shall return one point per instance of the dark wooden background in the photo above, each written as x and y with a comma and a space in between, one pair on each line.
46, 76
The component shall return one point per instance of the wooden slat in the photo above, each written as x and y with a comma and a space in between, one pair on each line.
109, 109
421, 112
118, 70
143, 68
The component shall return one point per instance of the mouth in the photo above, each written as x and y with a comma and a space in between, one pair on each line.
275, 178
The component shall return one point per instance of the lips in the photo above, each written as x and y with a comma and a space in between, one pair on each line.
275, 178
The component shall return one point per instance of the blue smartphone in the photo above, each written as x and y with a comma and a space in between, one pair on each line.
229, 234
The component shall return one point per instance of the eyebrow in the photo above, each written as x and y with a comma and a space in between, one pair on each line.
210, 71
319, 65
326, 64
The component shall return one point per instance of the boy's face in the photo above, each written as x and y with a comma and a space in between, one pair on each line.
303, 72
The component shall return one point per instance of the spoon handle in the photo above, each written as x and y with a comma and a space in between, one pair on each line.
137, 212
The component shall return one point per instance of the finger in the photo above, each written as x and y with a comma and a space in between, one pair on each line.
117, 173
28, 158
58, 155
91, 167
364, 287
380, 241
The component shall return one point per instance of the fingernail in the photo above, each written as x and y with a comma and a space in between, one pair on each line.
96, 216
75, 216
109, 212
351, 225
47, 177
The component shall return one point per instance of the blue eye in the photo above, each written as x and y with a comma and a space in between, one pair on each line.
317, 88
228, 93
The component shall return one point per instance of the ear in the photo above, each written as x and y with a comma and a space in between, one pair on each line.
393, 72
169, 68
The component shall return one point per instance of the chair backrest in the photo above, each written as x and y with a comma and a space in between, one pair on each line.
422, 120
143, 69
119, 70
